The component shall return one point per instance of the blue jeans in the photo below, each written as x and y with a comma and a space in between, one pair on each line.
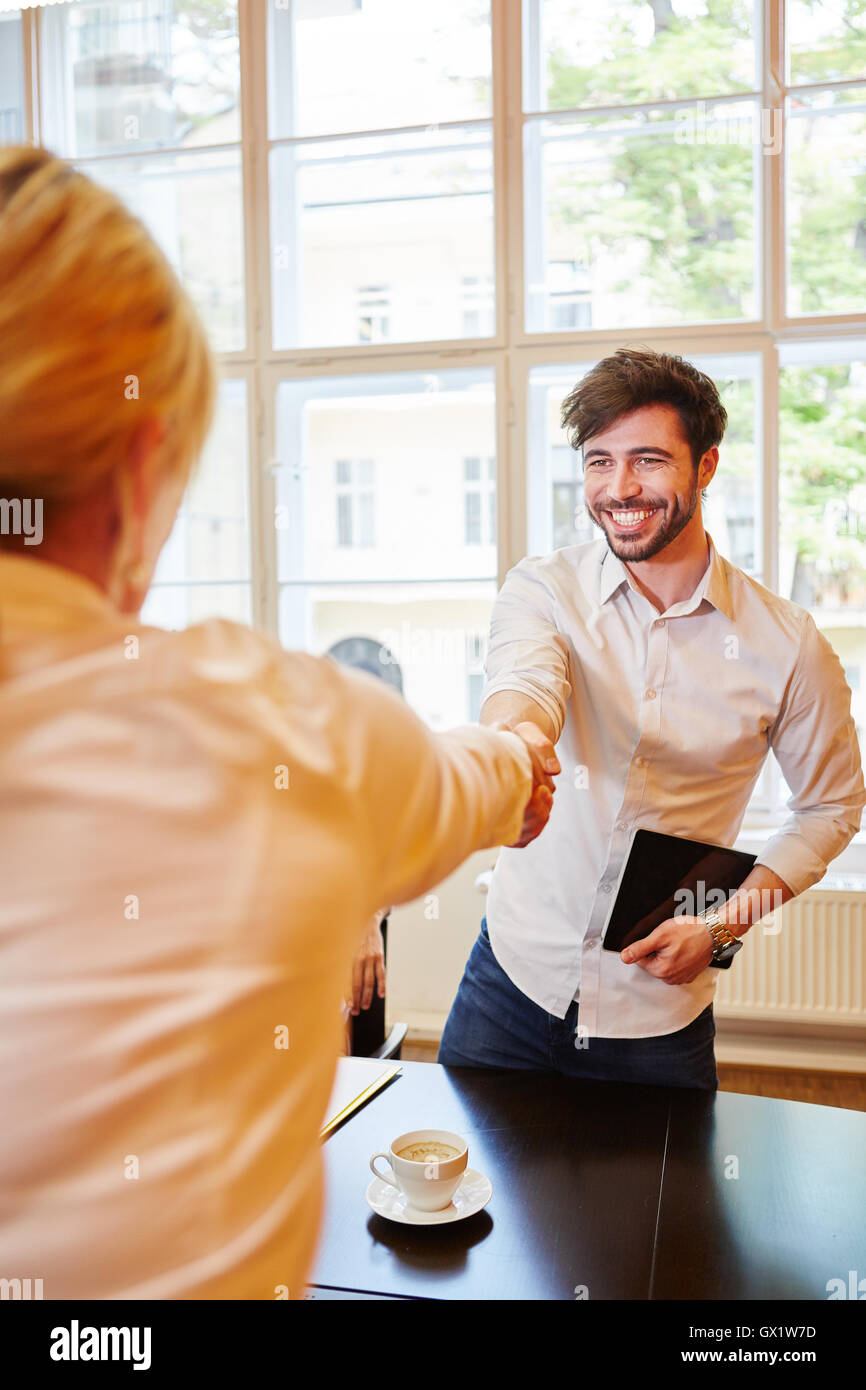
493, 1024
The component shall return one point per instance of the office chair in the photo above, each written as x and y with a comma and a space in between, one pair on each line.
368, 1027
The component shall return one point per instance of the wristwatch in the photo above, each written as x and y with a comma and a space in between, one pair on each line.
725, 944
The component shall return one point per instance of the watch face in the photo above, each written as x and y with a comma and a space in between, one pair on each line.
727, 951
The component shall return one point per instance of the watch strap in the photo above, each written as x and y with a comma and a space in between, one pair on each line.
725, 944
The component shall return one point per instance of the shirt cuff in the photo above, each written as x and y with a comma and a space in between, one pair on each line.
795, 863
510, 829
535, 691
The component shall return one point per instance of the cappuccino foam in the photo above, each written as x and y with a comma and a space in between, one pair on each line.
423, 1151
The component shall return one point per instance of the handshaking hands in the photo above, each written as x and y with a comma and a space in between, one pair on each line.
545, 765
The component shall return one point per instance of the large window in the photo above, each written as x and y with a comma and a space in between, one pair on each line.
145, 98
826, 167
822, 493
395, 570
410, 227
635, 117
381, 171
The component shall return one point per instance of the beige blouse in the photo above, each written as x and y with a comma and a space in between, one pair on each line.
194, 830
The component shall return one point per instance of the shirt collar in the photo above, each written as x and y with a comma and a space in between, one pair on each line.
712, 586
47, 594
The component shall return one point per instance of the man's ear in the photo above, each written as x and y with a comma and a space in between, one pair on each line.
707, 467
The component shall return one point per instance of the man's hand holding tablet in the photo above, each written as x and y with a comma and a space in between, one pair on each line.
677, 951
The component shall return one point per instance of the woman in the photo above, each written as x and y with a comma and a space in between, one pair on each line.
195, 826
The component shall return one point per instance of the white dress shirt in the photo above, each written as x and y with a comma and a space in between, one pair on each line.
195, 829
663, 721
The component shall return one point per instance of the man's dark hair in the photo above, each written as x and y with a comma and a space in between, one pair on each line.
635, 377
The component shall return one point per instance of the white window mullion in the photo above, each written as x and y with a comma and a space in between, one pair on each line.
772, 204
262, 512
503, 19
533, 222
769, 462
252, 21
510, 377
278, 97
511, 387
30, 76
55, 106
251, 40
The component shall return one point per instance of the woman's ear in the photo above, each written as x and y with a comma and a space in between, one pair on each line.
144, 463
141, 482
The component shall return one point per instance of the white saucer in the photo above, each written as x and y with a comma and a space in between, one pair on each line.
473, 1193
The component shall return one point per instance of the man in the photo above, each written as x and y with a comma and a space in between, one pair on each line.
664, 675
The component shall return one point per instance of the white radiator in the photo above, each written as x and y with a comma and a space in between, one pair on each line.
812, 970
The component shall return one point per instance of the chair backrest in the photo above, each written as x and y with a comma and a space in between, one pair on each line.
368, 1027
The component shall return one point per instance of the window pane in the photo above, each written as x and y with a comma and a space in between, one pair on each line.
580, 53
472, 509
208, 551
624, 224
124, 76
340, 65
344, 520
826, 39
410, 214
12, 131
365, 517
827, 202
428, 635
822, 486
191, 205
479, 312
476, 689
555, 514
180, 605
567, 507
732, 512
414, 428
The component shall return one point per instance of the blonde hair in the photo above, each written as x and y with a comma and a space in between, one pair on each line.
96, 334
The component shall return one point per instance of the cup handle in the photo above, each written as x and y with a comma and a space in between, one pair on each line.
381, 1176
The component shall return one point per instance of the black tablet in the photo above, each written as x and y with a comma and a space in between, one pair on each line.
668, 876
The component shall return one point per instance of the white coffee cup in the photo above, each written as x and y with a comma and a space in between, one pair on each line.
430, 1180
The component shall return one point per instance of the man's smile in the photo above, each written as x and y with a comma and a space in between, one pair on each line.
628, 520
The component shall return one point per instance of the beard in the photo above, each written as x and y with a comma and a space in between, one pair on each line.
666, 525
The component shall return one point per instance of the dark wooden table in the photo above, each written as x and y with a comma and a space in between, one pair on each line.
626, 1192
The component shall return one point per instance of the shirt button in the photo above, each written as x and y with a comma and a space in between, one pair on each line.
660, 623
622, 825
591, 945
606, 888
640, 762
650, 694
